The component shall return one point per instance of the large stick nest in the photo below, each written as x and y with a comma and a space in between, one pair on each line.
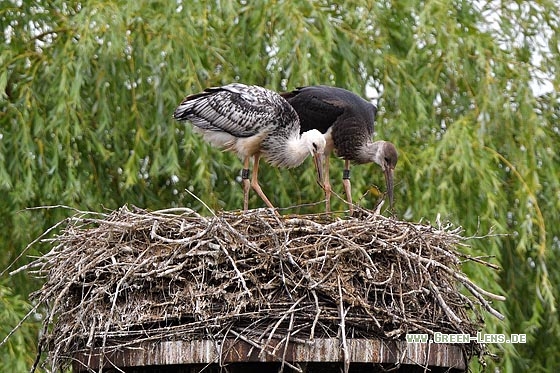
113, 280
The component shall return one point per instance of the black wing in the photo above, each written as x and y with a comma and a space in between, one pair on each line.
321, 107
314, 111
350, 117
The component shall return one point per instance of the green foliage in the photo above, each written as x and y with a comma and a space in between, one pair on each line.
15, 356
87, 90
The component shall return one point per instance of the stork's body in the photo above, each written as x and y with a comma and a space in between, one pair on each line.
347, 122
252, 121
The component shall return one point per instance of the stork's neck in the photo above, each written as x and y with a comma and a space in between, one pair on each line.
371, 152
289, 151
296, 150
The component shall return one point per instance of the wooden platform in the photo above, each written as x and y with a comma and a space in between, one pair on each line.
320, 355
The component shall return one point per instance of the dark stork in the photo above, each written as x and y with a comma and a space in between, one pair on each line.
347, 121
252, 121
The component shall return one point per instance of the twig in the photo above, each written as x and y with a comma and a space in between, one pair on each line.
342, 315
254, 344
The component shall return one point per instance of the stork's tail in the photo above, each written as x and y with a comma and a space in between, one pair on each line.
185, 109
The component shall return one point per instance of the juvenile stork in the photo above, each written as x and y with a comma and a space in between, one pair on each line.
347, 122
252, 121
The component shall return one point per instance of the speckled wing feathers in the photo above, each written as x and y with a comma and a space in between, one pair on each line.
237, 109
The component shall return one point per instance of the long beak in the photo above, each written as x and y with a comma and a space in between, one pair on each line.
389, 181
319, 164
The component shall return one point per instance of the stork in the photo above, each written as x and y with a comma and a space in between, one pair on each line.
347, 122
252, 122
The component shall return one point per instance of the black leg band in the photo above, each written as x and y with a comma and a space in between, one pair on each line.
245, 173
346, 174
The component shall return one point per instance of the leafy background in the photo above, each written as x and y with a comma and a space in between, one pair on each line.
467, 91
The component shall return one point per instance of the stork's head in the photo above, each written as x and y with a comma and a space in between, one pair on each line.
315, 143
386, 156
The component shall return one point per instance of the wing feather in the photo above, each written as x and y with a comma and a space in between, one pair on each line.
314, 111
323, 107
237, 109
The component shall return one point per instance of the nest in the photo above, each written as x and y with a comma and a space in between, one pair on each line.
114, 280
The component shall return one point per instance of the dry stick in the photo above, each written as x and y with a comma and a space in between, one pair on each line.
287, 342
279, 246
237, 234
216, 343
219, 347
23, 268
91, 335
342, 315
183, 241
480, 260
172, 210
317, 314
464, 280
385, 282
113, 305
260, 347
484, 302
20, 323
281, 319
239, 274
114, 367
264, 332
158, 334
201, 201
304, 274
401, 301
112, 223
468, 301
62, 292
366, 309
82, 365
448, 311
295, 224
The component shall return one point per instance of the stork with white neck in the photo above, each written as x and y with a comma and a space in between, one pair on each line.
252, 122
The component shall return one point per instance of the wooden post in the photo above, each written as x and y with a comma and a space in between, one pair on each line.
319, 355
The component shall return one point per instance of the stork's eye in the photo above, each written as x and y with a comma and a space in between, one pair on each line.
314, 146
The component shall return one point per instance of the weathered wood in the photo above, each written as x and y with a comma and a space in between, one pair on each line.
187, 356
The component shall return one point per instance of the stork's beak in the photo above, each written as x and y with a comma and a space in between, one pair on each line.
389, 181
319, 164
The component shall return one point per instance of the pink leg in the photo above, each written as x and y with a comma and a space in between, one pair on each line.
255, 182
246, 184
347, 185
327, 186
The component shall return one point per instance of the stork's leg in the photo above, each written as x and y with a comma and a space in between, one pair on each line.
246, 183
255, 182
347, 185
327, 185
